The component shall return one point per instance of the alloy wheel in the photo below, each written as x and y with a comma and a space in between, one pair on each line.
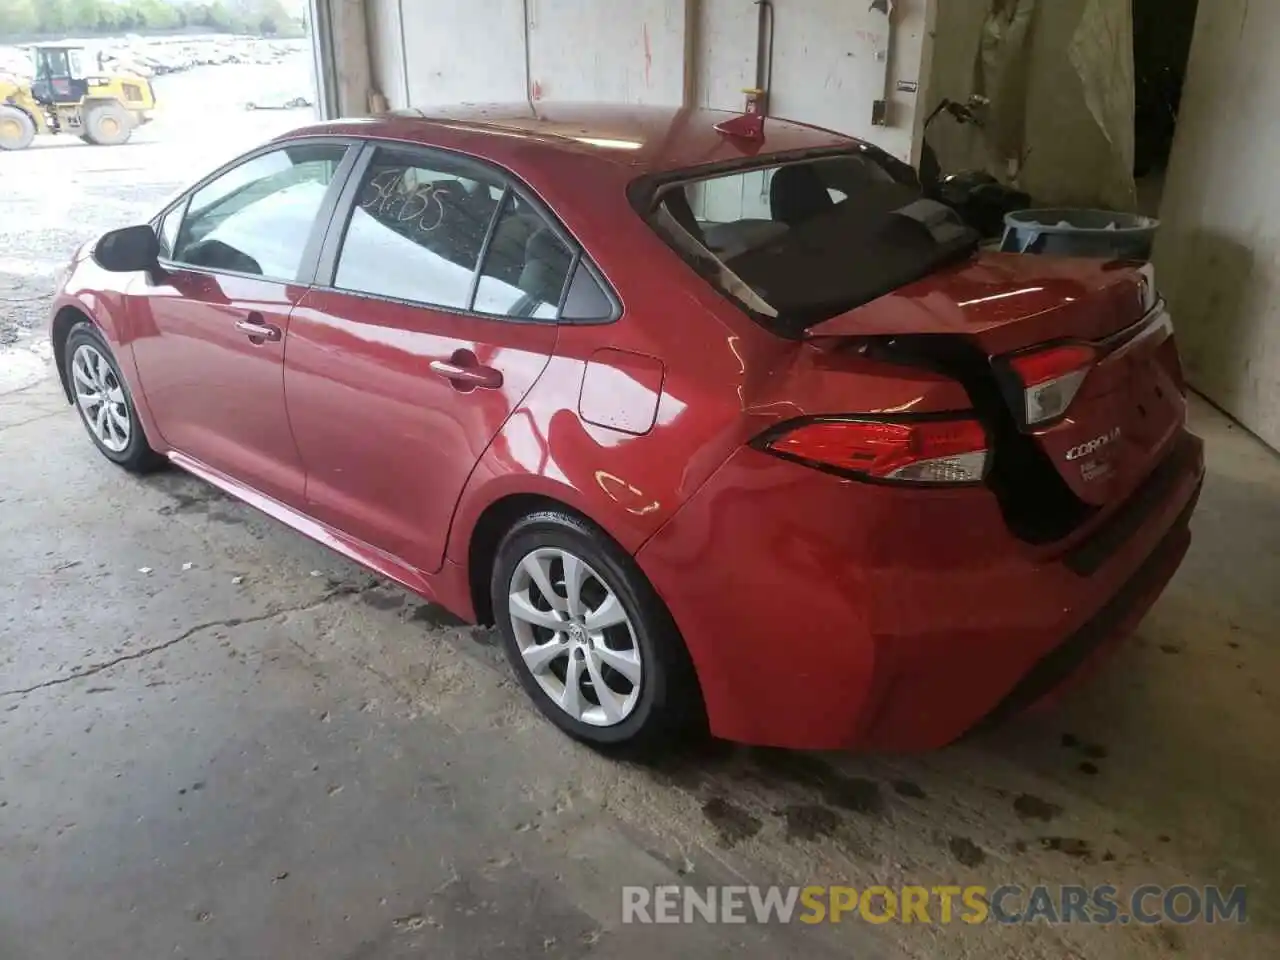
101, 398
575, 637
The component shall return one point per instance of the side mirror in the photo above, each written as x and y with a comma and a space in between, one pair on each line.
129, 250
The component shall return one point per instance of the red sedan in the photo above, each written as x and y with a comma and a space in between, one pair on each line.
718, 429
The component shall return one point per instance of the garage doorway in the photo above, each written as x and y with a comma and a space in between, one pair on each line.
1162, 33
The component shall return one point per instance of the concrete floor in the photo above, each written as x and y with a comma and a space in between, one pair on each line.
272, 754
256, 750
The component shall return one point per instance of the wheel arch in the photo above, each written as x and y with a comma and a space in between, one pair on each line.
35, 121
63, 323
493, 524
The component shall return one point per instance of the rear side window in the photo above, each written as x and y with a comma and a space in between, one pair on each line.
586, 300
442, 230
526, 266
257, 217
418, 228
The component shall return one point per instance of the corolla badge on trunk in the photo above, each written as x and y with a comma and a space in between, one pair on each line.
1093, 446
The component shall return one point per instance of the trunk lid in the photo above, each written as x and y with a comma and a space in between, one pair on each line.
1004, 302
1129, 406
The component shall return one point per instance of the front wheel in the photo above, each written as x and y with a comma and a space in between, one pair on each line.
590, 640
103, 400
17, 129
108, 124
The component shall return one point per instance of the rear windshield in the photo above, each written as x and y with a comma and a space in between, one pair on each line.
798, 242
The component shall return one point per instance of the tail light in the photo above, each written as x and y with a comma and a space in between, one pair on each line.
953, 451
1051, 378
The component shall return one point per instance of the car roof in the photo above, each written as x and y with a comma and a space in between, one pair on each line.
641, 140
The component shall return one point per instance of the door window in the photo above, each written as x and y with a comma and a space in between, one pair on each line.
52, 64
76, 64
526, 266
418, 228
257, 217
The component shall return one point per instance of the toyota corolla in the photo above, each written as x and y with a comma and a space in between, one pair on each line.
723, 425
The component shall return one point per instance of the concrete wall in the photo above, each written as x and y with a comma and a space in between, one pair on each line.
1059, 74
630, 52
343, 56
454, 50
832, 58
1218, 253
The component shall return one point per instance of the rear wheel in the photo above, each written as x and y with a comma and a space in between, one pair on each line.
103, 400
589, 639
17, 129
108, 124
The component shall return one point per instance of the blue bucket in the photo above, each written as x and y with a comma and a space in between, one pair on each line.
1080, 233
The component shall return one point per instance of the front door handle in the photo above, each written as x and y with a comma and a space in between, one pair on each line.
257, 331
467, 376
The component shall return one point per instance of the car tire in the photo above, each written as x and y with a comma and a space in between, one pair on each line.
92, 371
618, 633
17, 129
108, 125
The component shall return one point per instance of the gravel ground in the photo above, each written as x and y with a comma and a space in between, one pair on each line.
61, 192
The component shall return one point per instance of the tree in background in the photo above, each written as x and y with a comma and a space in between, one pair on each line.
52, 16
19, 17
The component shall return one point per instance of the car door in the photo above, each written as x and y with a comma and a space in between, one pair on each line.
436, 315
211, 330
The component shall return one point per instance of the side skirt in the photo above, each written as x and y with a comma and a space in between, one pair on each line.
353, 549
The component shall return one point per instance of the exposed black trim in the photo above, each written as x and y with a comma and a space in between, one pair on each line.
489, 234
568, 283
763, 441
340, 216
1061, 662
1035, 500
324, 217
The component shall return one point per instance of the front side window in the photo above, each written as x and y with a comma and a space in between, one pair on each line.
796, 243
418, 228
257, 217
167, 233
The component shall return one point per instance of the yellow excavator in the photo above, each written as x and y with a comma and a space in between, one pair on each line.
69, 95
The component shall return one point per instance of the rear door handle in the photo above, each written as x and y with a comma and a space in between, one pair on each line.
486, 378
258, 331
